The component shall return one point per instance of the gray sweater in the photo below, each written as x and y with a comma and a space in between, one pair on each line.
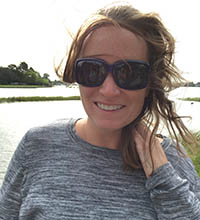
55, 175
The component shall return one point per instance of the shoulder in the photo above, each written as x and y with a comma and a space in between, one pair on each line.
180, 162
45, 142
170, 149
48, 131
47, 136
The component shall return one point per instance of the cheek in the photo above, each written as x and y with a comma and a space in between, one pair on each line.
137, 101
138, 96
85, 92
86, 95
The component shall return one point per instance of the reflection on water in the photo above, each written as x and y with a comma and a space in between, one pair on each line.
185, 92
55, 91
188, 108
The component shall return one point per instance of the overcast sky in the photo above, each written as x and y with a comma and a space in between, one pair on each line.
34, 31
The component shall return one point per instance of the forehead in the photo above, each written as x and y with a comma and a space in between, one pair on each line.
115, 42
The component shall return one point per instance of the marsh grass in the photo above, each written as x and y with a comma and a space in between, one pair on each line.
195, 99
194, 153
22, 86
38, 98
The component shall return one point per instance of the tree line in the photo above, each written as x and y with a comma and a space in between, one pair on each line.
23, 75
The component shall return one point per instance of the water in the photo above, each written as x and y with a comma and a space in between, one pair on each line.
55, 91
184, 92
17, 118
188, 108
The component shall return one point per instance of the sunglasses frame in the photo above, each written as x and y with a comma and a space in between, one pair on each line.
110, 69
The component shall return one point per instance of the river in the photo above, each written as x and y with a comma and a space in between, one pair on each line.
17, 118
55, 91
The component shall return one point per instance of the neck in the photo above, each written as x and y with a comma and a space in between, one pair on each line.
97, 136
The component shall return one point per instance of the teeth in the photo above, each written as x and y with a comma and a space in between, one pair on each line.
109, 107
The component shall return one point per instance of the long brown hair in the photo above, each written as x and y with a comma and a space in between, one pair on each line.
164, 75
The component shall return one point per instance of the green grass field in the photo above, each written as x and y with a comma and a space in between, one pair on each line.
38, 98
195, 99
194, 153
21, 86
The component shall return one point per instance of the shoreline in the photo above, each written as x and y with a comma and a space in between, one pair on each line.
37, 99
23, 86
193, 99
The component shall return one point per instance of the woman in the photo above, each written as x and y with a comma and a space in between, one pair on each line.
110, 165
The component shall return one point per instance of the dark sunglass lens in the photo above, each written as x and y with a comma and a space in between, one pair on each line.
90, 73
131, 75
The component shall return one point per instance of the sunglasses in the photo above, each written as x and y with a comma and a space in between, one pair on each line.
127, 74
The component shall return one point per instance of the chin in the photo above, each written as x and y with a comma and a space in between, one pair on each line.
110, 125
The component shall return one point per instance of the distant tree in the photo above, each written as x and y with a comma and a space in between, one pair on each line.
46, 76
191, 84
23, 66
23, 75
30, 77
12, 67
5, 75
31, 68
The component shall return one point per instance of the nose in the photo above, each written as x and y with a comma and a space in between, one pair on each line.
109, 88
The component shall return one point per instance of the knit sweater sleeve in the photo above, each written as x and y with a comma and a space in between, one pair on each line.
175, 189
10, 192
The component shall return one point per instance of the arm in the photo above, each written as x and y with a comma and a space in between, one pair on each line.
10, 192
174, 190
174, 197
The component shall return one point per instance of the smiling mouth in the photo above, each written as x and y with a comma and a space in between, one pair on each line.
109, 107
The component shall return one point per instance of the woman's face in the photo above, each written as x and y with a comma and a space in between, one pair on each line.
109, 107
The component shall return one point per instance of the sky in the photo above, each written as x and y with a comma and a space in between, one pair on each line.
35, 31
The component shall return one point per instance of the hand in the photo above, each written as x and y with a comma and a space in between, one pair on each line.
151, 158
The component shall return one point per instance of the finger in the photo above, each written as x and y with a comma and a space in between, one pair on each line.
144, 154
145, 133
142, 150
